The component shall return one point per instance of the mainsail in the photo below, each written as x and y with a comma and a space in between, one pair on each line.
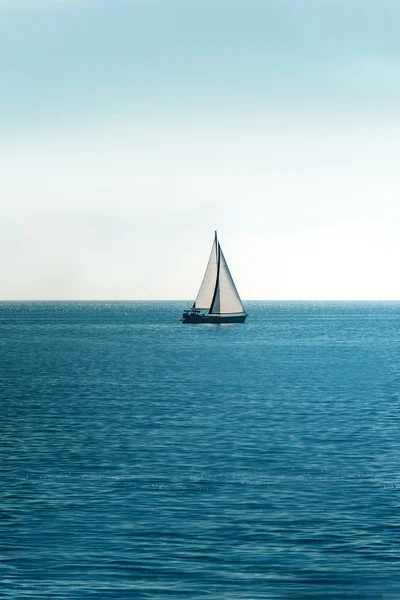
218, 293
229, 299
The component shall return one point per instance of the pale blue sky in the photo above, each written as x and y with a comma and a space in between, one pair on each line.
131, 129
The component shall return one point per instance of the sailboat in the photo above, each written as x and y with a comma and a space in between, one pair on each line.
218, 300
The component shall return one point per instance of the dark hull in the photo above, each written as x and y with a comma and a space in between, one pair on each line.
213, 319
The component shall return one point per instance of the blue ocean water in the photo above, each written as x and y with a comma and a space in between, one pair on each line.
142, 458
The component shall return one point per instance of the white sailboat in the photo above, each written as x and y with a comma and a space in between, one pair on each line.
218, 300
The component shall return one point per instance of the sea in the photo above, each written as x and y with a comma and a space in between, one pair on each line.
141, 458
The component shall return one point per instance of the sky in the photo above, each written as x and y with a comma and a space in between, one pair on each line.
131, 129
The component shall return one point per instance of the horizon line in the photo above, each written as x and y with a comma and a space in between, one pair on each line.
191, 300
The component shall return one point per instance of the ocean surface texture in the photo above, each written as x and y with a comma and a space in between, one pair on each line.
142, 458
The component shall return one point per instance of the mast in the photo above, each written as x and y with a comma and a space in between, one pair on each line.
218, 257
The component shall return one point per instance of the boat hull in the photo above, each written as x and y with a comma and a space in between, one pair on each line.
213, 319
